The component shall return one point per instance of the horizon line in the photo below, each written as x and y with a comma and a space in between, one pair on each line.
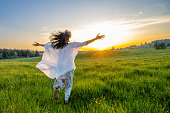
95, 49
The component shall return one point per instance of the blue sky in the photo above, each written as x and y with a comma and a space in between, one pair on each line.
25, 21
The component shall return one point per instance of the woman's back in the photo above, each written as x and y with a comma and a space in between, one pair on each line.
56, 62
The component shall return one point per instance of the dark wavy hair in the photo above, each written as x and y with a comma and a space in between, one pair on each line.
60, 39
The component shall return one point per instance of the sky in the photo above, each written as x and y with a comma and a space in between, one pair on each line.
124, 22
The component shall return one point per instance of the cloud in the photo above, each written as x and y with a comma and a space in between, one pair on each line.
113, 25
128, 24
50, 29
139, 23
45, 35
140, 12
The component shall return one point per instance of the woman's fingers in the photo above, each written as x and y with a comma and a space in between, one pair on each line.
102, 36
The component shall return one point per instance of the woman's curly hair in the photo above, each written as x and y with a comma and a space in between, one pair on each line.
60, 39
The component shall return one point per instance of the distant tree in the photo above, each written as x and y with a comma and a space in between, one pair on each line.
32, 54
22, 53
37, 53
15, 54
1, 57
27, 52
168, 44
161, 45
113, 48
5, 53
11, 53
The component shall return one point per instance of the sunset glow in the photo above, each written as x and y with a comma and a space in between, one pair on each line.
115, 34
123, 22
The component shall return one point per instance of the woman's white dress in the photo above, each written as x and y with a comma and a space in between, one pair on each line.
57, 62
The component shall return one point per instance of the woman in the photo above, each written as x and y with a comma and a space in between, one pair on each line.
58, 60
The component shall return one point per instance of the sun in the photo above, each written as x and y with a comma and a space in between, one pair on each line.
115, 34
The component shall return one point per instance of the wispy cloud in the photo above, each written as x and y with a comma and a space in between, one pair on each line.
139, 23
128, 24
45, 35
50, 29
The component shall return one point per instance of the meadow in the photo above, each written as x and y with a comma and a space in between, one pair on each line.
122, 81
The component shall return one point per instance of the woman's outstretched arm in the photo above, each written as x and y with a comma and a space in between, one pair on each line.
96, 38
37, 44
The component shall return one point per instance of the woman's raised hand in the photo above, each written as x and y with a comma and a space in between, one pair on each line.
100, 37
96, 38
35, 44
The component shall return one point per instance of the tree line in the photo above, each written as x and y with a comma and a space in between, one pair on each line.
16, 53
160, 45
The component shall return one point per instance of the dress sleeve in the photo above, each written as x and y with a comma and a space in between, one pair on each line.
47, 45
76, 47
78, 44
49, 60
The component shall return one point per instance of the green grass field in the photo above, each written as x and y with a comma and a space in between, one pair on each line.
115, 81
